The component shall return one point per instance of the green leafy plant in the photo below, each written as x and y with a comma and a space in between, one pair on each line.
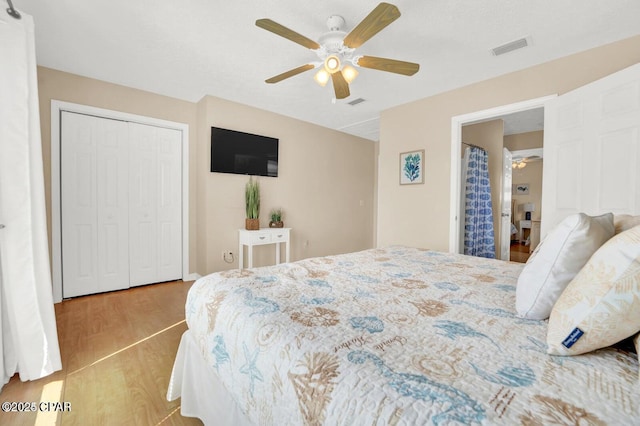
252, 198
276, 215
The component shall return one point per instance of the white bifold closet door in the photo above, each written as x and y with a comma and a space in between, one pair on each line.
121, 204
155, 204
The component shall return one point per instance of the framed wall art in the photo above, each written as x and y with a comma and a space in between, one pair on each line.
412, 167
520, 189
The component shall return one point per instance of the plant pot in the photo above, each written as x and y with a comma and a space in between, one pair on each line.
252, 224
279, 224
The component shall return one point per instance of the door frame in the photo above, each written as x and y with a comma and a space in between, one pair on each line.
57, 107
456, 150
505, 193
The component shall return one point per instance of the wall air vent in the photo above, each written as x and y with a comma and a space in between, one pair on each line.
510, 47
356, 101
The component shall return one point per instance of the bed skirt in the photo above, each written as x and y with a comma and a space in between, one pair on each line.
190, 375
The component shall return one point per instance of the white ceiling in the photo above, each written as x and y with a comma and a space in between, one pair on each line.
192, 48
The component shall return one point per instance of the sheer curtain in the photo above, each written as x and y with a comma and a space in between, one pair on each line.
479, 239
29, 339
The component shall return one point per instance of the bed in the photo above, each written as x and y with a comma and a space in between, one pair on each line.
386, 336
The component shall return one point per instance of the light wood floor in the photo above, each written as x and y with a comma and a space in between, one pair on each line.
117, 354
519, 253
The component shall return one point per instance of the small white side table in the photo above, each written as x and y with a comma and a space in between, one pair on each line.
524, 224
261, 237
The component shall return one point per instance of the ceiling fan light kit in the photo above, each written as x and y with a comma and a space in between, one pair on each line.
336, 49
322, 77
349, 73
518, 164
332, 64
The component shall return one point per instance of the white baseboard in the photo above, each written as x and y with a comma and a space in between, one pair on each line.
192, 277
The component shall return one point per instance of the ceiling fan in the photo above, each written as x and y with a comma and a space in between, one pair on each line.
336, 49
521, 162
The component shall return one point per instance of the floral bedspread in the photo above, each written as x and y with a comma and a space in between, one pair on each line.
397, 336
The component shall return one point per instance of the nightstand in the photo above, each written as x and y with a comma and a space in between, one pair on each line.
525, 230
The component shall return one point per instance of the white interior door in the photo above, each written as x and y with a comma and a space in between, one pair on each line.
169, 215
505, 205
155, 204
94, 178
592, 149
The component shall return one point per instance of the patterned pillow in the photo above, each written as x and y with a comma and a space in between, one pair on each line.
557, 260
624, 222
601, 306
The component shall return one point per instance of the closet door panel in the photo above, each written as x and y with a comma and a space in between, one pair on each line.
112, 202
94, 211
155, 204
79, 206
142, 204
169, 204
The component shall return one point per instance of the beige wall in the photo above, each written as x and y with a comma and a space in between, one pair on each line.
420, 215
326, 182
531, 174
325, 187
490, 135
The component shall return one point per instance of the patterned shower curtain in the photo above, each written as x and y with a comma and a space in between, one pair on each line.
479, 239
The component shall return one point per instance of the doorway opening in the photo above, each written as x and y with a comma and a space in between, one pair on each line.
515, 210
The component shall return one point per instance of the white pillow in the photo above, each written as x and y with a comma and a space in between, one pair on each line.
558, 259
601, 306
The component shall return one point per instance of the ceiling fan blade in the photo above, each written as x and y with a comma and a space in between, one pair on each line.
290, 73
389, 65
340, 85
285, 32
376, 21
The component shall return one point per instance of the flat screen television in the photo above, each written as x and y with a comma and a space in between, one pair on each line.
243, 153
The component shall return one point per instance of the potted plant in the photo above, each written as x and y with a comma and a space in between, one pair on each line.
252, 203
276, 219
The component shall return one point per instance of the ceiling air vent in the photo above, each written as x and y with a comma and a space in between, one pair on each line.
356, 101
510, 47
